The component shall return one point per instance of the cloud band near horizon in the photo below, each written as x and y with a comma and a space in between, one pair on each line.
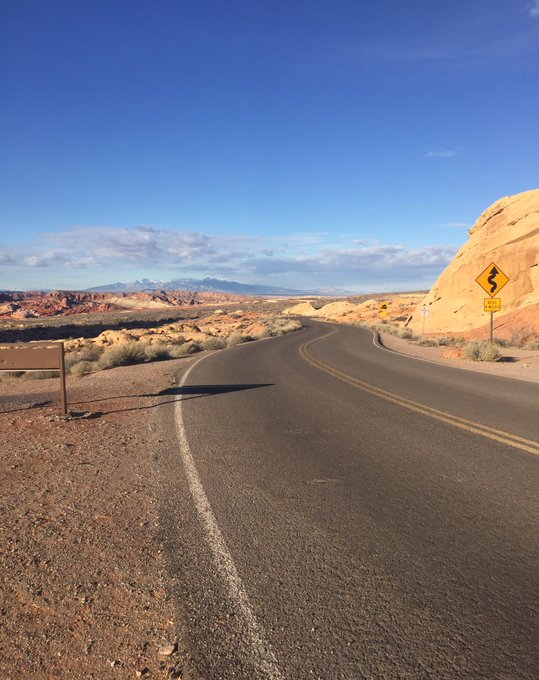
90, 253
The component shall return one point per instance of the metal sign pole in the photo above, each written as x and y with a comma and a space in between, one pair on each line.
63, 395
492, 327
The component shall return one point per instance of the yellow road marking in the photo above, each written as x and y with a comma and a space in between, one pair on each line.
457, 421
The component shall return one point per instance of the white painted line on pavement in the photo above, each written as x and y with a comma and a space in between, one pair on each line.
263, 657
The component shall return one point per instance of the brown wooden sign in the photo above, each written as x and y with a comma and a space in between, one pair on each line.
36, 356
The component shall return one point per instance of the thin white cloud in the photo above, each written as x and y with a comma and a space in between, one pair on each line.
441, 153
308, 259
534, 10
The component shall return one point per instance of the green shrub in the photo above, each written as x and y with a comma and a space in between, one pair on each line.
481, 350
122, 355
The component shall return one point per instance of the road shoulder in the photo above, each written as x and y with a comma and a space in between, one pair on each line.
515, 363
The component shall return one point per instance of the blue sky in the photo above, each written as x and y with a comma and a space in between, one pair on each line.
308, 144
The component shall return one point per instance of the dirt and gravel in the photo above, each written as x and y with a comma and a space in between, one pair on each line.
84, 591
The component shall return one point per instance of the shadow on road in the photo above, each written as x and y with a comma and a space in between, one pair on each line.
206, 390
185, 392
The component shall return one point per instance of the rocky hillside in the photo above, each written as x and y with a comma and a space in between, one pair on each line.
394, 308
507, 234
32, 304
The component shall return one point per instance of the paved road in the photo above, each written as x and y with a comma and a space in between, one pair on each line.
335, 510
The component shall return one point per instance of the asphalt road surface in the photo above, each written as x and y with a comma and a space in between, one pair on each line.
335, 510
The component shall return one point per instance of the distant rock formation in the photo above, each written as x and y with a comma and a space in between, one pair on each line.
29, 304
506, 234
394, 308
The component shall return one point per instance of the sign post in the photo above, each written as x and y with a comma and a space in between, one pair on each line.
424, 314
36, 356
492, 280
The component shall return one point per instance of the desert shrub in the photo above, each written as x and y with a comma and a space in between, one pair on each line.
122, 355
406, 334
235, 339
157, 352
445, 342
83, 368
213, 343
532, 345
265, 333
40, 375
177, 351
386, 327
89, 353
428, 342
289, 326
481, 350
11, 375
177, 340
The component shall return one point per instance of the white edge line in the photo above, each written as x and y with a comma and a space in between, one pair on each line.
263, 656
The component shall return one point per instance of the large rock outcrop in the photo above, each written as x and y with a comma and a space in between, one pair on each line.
507, 234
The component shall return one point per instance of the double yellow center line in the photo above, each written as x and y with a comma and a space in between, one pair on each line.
463, 423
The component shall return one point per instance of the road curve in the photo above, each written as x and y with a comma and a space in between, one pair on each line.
334, 510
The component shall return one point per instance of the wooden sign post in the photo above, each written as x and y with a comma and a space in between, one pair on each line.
36, 356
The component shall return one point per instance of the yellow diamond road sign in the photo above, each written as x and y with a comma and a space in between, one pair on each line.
492, 304
492, 280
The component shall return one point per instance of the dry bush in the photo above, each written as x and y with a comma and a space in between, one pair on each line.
40, 375
157, 352
177, 351
428, 342
236, 339
177, 340
532, 345
481, 350
83, 368
90, 354
406, 334
213, 343
122, 355
10, 375
279, 326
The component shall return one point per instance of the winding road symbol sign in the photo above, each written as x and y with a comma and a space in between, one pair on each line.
492, 280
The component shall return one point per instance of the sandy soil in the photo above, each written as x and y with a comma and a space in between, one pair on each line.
514, 363
84, 591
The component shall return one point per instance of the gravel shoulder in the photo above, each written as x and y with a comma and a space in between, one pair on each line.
84, 592
515, 363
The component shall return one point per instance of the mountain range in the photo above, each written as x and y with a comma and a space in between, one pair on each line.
208, 285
